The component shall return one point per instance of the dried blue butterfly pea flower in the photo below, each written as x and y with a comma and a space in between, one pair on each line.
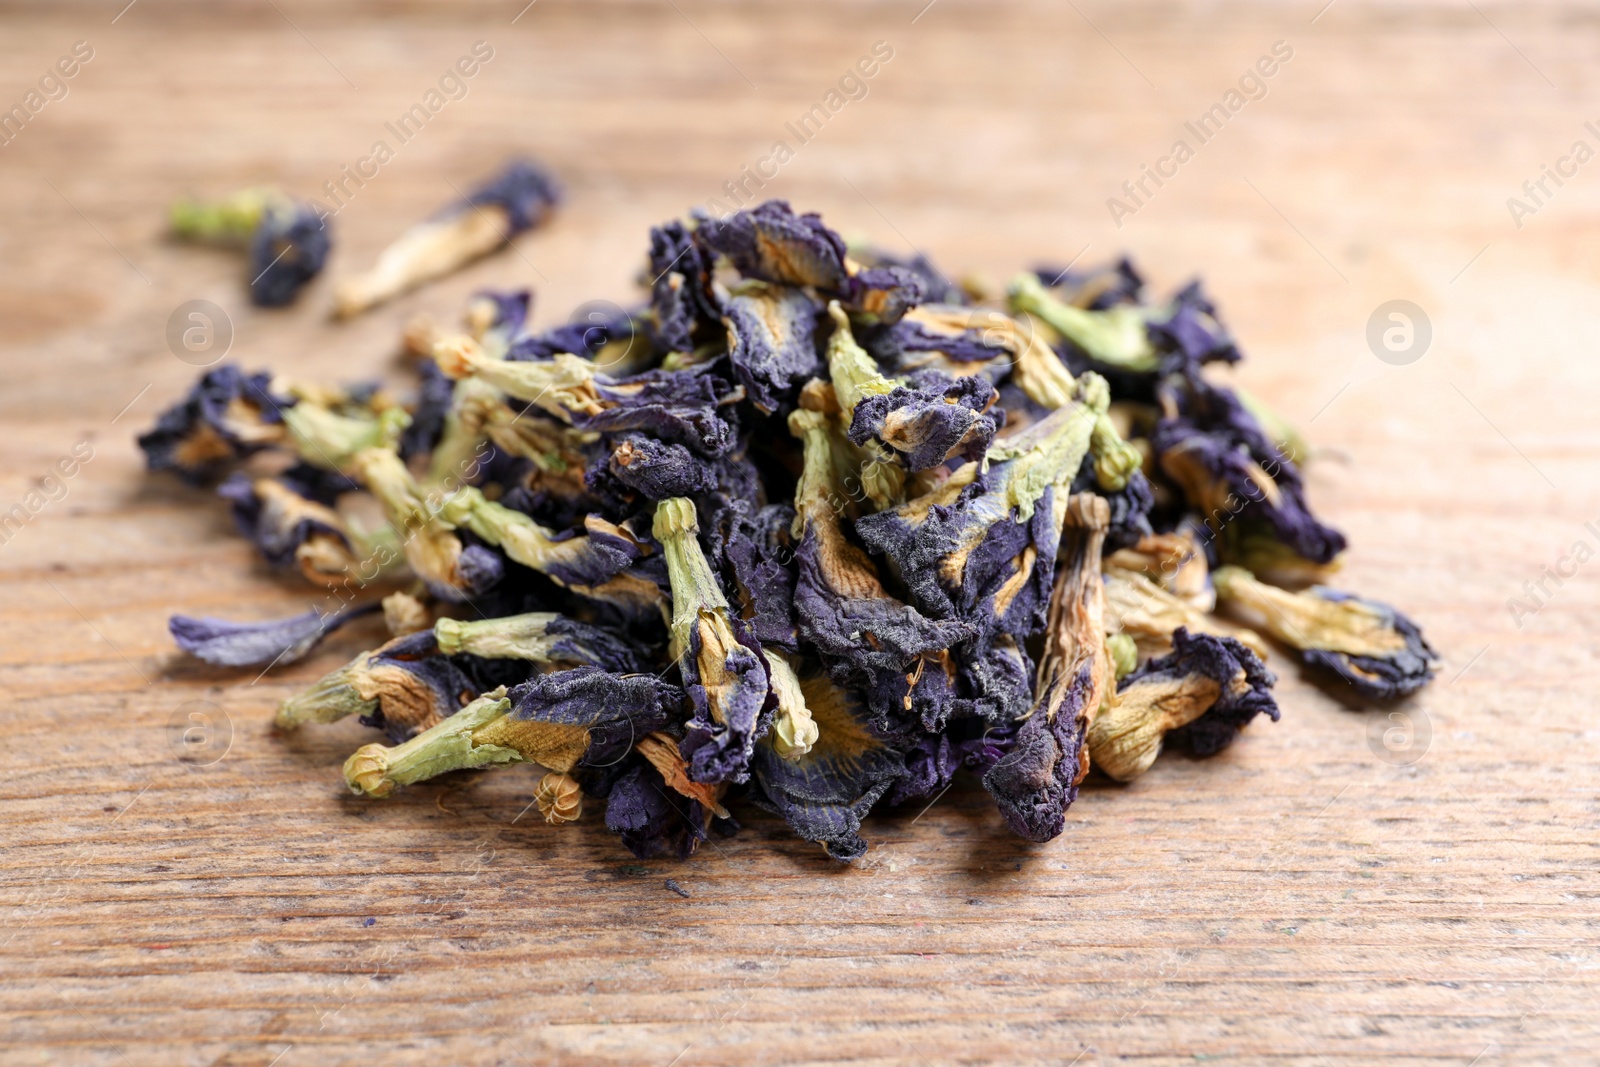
1229, 471
226, 416
1097, 288
679, 406
647, 469
608, 713
258, 644
280, 521
519, 198
934, 420
1201, 695
842, 608
824, 793
1366, 642
1036, 781
981, 547
924, 420
287, 250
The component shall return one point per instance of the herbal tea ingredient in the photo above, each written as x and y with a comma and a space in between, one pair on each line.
810, 528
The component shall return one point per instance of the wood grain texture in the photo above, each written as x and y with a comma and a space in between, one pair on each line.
1296, 900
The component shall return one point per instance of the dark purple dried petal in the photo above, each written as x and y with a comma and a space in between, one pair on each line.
226, 416
257, 644
652, 819
824, 794
617, 710
1036, 781
1223, 660
772, 342
774, 244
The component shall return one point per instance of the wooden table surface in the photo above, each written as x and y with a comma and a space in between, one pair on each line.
1310, 896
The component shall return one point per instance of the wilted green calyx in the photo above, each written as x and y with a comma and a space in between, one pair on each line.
450, 746
854, 372
696, 595
332, 697
508, 637
325, 438
1115, 336
229, 220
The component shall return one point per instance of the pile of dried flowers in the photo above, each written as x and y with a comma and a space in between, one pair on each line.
812, 527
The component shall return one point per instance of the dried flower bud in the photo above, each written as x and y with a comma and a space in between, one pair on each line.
559, 797
405, 614
723, 668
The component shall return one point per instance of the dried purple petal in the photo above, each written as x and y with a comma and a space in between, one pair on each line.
935, 419
772, 342
1037, 780
652, 819
610, 712
825, 793
772, 243
258, 644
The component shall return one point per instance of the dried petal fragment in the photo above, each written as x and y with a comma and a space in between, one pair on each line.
771, 341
